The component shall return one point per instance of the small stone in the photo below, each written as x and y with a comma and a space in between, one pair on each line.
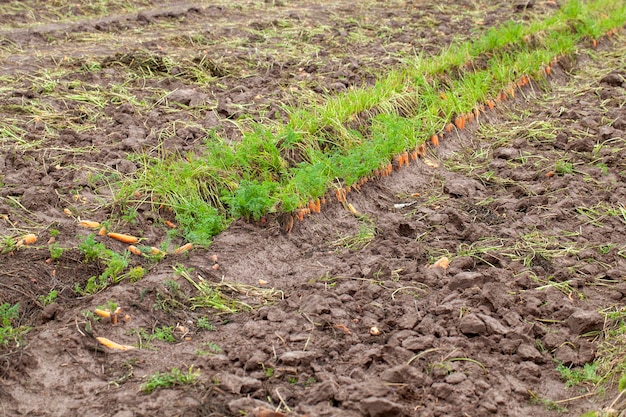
237, 384
613, 79
493, 325
463, 187
506, 153
472, 325
566, 355
582, 321
380, 407
465, 279
455, 378
403, 374
530, 353
442, 390
297, 358
418, 343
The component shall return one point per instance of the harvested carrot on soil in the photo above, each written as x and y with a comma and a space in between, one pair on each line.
102, 313
28, 239
134, 250
434, 139
170, 224
186, 247
443, 263
102, 231
449, 127
112, 345
123, 238
89, 224
342, 327
459, 122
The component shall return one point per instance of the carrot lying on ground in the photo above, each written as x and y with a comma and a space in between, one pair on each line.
134, 250
89, 224
184, 248
28, 239
434, 139
112, 345
123, 238
105, 314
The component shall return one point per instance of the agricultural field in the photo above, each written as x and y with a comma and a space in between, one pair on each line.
323, 208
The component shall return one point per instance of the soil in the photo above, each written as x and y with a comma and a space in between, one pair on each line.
348, 316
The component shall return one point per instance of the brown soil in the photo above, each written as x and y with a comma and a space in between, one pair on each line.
353, 327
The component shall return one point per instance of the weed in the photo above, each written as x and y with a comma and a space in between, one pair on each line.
366, 233
56, 251
547, 403
210, 348
48, 298
205, 324
165, 334
587, 375
562, 167
169, 379
115, 264
9, 244
9, 333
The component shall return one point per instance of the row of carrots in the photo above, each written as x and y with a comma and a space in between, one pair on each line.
459, 122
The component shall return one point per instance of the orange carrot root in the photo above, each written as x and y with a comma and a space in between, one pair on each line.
434, 139
123, 238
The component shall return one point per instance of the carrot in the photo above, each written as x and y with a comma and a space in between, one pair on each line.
548, 70
89, 224
441, 263
123, 238
490, 104
400, 160
389, 169
459, 122
312, 206
449, 127
511, 92
405, 155
318, 205
421, 150
112, 345
594, 43
323, 201
469, 117
67, 212
342, 327
134, 250
156, 251
183, 248
434, 139
28, 239
102, 231
105, 314
413, 155
338, 194
550, 174
170, 224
